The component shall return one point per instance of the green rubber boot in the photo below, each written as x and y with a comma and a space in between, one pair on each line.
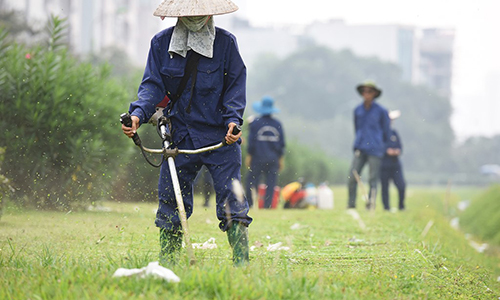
171, 244
237, 236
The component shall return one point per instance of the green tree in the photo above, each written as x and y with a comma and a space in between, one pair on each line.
60, 122
5, 187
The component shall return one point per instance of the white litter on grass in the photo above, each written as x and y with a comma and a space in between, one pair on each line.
355, 240
354, 213
256, 245
295, 226
277, 247
498, 279
463, 205
455, 223
153, 269
478, 247
210, 244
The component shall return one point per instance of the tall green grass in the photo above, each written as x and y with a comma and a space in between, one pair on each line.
482, 218
52, 255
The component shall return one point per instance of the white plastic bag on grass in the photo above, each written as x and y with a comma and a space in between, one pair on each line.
153, 269
277, 247
210, 244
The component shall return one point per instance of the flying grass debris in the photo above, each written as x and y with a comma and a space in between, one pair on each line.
238, 190
99, 208
427, 228
356, 217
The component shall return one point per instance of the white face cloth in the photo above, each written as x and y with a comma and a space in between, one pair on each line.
194, 24
193, 33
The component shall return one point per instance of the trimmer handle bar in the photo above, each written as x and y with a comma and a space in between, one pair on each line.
126, 120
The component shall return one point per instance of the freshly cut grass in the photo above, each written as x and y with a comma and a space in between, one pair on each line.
50, 255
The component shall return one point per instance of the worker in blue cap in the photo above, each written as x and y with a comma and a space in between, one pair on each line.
266, 146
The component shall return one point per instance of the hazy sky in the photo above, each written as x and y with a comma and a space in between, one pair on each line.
477, 43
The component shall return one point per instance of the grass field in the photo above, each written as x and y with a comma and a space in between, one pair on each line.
51, 255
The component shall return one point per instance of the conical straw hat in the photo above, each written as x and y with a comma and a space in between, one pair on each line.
185, 8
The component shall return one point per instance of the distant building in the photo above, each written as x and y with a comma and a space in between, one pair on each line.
95, 25
393, 43
435, 59
424, 56
254, 41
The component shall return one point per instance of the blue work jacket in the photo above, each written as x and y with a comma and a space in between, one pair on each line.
372, 128
218, 98
266, 141
394, 142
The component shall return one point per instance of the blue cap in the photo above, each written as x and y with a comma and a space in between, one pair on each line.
265, 106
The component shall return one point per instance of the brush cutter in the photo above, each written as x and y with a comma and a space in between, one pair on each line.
164, 130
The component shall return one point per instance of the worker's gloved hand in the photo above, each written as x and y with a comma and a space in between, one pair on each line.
230, 136
130, 131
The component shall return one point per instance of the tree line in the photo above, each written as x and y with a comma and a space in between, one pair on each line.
64, 148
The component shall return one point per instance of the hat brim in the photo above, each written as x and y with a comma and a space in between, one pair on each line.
192, 8
377, 90
257, 106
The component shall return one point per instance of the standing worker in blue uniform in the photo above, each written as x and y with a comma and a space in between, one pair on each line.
266, 146
391, 167
199, 68
372, 129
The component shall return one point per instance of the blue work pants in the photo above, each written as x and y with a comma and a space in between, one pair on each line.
394, 172
360, 159
262, 170
224, 165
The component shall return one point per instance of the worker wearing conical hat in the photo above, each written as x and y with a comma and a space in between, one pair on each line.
372, 129
199, 68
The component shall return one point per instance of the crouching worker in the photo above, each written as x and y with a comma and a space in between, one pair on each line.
294, 195
199, 68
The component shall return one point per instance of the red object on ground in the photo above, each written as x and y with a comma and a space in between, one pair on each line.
262, 193
297, 197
